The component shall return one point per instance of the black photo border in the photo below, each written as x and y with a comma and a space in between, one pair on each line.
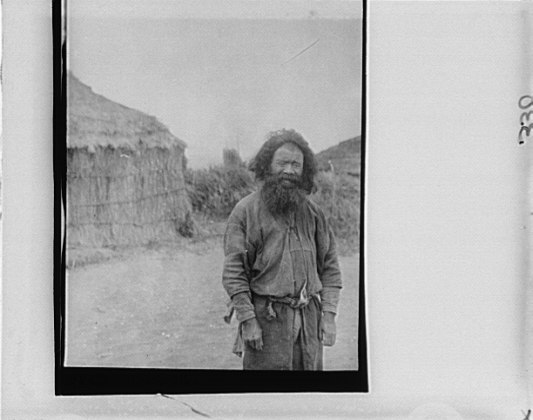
135, 381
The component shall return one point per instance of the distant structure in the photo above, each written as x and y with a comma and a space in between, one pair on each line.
231, 158
125, 183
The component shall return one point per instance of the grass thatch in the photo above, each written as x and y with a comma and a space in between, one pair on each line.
93, 120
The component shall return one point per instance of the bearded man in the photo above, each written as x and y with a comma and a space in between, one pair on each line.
281, 269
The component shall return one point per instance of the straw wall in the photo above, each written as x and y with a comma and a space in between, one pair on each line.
125, 197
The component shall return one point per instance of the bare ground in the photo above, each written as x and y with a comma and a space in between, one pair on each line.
163, 307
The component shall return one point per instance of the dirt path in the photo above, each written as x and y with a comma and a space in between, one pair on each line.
164, 308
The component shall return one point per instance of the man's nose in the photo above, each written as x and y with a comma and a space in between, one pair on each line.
289, 169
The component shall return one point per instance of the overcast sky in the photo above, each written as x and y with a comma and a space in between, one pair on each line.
225, 82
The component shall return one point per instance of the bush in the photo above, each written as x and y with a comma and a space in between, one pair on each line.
215, 191
338, 196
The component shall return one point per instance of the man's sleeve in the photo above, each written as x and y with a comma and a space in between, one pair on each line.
328, 267
235, 277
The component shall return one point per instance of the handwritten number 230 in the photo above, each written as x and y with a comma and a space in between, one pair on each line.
524, 103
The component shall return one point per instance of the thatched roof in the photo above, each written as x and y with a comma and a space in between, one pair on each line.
93, 120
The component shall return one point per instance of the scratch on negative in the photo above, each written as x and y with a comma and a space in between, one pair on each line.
301, 52
194, 410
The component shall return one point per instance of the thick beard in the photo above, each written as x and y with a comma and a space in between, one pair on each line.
280, 197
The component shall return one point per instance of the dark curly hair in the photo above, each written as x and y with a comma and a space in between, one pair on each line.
261, 164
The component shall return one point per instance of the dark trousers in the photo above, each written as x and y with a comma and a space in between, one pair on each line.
281, 349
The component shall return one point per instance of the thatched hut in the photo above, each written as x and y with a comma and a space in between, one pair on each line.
125, 183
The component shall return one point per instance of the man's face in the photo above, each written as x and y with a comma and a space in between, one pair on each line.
288, 161
282, 190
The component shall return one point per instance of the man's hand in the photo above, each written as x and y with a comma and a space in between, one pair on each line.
328, 329
252, 334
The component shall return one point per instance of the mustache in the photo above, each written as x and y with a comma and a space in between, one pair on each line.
278, 178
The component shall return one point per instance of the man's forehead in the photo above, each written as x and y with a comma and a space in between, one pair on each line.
288, 149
